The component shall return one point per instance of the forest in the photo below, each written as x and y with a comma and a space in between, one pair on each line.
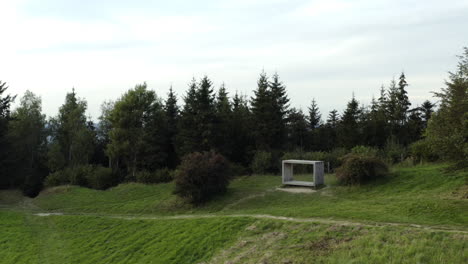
142, 136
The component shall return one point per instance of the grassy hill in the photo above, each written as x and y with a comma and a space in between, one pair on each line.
418, 214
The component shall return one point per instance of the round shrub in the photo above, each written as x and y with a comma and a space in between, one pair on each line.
359, 169
422, 151
365, 151
78, 175
56, 178
101, 178
200, 176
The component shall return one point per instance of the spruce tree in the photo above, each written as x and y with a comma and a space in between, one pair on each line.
223, 126
206, 114
314, 115
280, 105
241, 134
297, 130
348, 130
5, 103
263, 115
172, 116
187, 139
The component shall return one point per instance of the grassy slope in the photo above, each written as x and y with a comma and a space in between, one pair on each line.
422, 195
25, 238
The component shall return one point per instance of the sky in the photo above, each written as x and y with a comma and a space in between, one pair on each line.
322, 49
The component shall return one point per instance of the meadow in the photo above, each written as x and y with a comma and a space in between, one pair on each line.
416, 215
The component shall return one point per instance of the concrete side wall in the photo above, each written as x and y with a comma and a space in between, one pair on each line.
287, 172
319, 173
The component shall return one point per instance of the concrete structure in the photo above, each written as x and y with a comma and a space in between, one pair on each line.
288, 173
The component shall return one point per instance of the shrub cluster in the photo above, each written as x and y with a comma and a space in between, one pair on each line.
359, 169
422, 151
200, 176
262, 162
159, 176
332, 157
96, 177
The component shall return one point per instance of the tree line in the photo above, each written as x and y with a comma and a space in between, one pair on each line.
142, 131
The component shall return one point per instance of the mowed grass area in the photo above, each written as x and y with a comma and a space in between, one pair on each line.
26, 238
417, 195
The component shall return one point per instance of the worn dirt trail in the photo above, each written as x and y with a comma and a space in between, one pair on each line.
266, 216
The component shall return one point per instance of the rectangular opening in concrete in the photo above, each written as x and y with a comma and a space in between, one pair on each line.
317, 178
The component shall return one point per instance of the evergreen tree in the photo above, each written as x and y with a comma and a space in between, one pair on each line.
348, 130
447, 130
223, 123
297, 129
314, 115
427, 109
5, 102
206, 114
172, 117
262, 114
280, 105
103, 133
187, 138
241, 134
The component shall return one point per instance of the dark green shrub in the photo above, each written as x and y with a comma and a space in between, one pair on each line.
159, 176
394, 152
200, 176
101, 178
365, 151
56, 178
359, 169
237, 169
422, 151
262, 162
78, 175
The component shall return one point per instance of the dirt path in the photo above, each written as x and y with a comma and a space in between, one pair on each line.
271, 217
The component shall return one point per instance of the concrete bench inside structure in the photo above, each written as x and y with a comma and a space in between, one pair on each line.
288, 173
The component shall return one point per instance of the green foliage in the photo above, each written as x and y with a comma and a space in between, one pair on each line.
422, 151
201, 176
394, 152
359, 169
365, 151
159, 176
447, 130
96, 177
138, 134
262, 162
100, 178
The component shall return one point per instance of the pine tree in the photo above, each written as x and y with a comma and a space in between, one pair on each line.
223, 124
241, 134
187, 138
206, 114
5, 102
172, 117
314, 115
427, 109
348, 131
297, 129
447, 130
280, 105
262, 111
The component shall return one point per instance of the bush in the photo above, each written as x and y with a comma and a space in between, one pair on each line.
394, 152
365, 151
96, 177
262, 162
78, 175
57, 178
359, 169
159, 176
200, 176
422, 151
101, 178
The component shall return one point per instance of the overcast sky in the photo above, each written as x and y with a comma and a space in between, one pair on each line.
325, 49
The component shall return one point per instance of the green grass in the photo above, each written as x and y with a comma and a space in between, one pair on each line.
25, 238
94, 229
421, 195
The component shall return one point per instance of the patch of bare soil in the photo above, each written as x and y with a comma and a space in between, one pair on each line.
296, 190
